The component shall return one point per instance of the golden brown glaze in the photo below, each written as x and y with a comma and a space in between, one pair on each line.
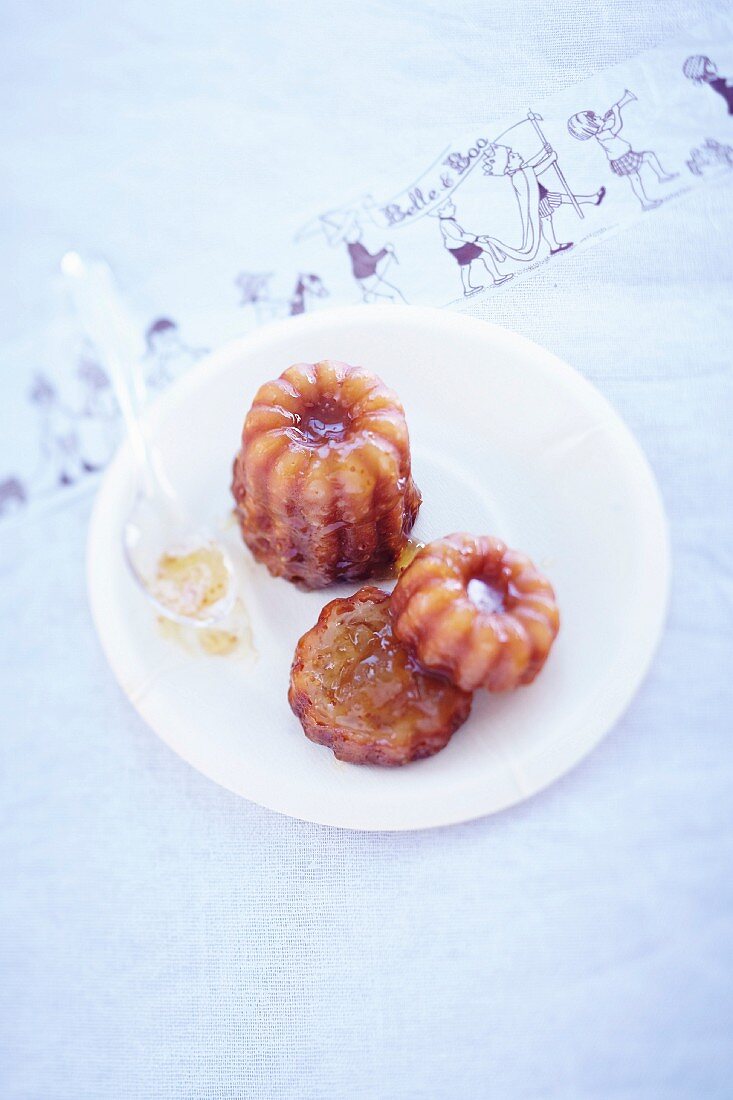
498, 637
355, 688
322, 483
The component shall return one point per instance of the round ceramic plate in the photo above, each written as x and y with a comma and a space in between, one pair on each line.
507, 440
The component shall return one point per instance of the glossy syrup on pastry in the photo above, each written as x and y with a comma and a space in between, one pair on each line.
476, 611
356, 688
407, 553
323, 483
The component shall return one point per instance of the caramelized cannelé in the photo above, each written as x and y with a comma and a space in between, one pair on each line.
356, 689
477, 612
323, 483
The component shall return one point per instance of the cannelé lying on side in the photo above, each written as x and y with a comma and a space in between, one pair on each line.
356, 689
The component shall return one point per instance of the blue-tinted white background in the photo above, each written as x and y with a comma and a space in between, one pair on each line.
161, 938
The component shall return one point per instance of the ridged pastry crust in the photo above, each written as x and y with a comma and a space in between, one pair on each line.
355, 688
469, 641
322, 483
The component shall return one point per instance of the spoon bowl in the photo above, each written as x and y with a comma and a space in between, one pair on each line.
185, 573
158, 541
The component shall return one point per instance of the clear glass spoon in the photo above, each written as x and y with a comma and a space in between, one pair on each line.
180, 566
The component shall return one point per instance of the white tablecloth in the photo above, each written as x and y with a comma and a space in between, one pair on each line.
163, 939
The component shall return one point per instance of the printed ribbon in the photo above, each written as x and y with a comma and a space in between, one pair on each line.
484, 213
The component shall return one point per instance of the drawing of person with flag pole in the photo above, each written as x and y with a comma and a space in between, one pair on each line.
536, 202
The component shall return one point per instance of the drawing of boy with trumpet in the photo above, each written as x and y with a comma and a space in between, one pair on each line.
624, 160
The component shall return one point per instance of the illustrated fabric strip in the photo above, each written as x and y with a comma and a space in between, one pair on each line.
585, 162
480, 214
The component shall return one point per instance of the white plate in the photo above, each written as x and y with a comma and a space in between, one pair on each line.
506, 439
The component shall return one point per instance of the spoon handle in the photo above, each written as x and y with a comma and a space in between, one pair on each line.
112, 330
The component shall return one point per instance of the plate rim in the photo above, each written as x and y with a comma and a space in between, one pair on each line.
377, 314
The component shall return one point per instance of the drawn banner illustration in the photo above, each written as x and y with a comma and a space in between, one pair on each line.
489, 207
481, 213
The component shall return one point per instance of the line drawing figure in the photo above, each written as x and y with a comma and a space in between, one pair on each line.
536, 202
367, 267
167, 356
624, 160
256, 292
59, 437
467, 249
254, 289
306, 284
566, 194
13, 495
73, 442
701, 70
99, 415
710, 154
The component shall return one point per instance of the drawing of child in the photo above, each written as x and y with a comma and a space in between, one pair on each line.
367, 267
465, 249
253, 287
167, 355
99, 415
701, 70
59, 444
306, 285
624, 160
13, 495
